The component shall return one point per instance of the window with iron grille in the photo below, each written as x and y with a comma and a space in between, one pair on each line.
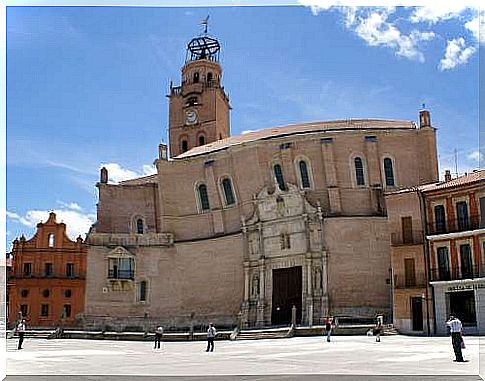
228, 192
279, 177
203, 197
359, 171
389, 172
305, 178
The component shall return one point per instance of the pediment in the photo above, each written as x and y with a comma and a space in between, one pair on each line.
120, 251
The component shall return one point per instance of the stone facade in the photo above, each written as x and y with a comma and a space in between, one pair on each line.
210, 235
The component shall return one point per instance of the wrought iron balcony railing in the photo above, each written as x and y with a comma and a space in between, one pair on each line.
455, 226
121, 274
43, 275
456, 273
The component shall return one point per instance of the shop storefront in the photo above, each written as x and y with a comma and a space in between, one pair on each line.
463, 298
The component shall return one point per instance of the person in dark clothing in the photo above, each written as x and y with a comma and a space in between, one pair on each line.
158, 337
211, 334
21, 331
328, 327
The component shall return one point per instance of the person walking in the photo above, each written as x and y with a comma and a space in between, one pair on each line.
158, 337
211, 334
328, 327
21, 331
456, 339
378, 329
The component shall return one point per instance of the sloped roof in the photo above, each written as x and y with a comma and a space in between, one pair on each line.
150, 179
476, 176
470, 178
296, 129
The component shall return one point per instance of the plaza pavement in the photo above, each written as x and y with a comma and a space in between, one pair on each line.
274, 359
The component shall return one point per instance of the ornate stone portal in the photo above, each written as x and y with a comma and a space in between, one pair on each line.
284, 232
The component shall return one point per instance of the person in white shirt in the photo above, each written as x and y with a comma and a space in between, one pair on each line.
456, 340
211, 334
158, 337
21, 331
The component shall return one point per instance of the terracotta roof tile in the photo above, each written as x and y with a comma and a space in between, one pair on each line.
470, 178
476, 176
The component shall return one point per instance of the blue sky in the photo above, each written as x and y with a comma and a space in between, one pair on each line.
86, 86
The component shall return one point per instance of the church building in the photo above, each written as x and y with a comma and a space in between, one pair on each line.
248, 226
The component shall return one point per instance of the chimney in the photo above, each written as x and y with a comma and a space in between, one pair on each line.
447, 175
104, 176
424, 118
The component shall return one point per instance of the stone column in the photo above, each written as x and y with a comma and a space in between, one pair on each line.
261, 299
246, 281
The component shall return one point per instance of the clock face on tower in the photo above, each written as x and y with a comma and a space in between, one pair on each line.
191, 117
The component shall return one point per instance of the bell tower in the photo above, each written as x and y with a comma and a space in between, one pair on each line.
199, 107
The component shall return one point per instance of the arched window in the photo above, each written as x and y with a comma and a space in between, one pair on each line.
279, 176
52, 240
142, 295
305, 179
201, 140
139, 226
359, 171
203, 197
228, 192
389, 172
196, 77
209, 77
185, 146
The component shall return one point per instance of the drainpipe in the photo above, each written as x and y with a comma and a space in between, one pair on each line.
422, 207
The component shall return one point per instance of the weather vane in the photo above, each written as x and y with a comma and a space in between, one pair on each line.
205, 22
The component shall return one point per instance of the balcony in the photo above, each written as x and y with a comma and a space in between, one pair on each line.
477, 271
416, 281
121, 274
42, 275
416, 237
455, 226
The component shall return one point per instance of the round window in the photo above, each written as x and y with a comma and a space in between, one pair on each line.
24, 293
46, 293
67, 293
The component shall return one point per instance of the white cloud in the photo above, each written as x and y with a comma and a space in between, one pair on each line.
116, 173
374, 28
149, 170
477, 26
456, 53
438, 12
72, 205
247, 132
76, 223
374, 25
476, 156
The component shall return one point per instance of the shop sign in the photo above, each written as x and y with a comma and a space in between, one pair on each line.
463, 287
